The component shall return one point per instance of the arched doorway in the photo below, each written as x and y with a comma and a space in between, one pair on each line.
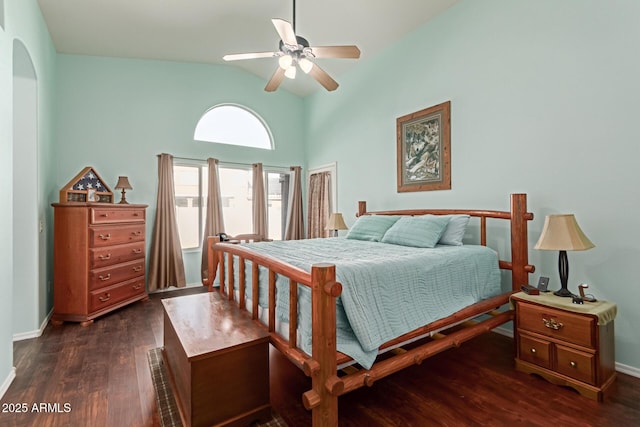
28, 266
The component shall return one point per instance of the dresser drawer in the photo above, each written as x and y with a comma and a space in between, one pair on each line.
109, 236
109, 255
535, 351
106, 297
116, 215
576, 364
101, 277
562, 325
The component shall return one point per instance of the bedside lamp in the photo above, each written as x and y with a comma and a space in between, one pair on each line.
335, 223
123, 184
562, 233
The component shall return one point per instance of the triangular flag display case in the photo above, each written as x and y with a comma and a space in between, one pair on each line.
87, 186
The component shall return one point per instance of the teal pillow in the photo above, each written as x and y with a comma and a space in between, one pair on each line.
371, 227
418, 231
455, 230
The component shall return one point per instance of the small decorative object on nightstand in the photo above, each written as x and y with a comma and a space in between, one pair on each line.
123, 184
336, 222
562, 233
567, 344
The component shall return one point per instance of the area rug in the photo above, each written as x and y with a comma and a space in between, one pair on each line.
167, 407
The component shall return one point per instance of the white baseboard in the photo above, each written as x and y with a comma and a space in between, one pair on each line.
625, 369
33, 334
7, 382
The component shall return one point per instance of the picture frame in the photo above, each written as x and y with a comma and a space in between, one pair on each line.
423, 149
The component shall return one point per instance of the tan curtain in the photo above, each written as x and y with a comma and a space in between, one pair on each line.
166, 267
260, 226
214, 221
318, 205
295, 216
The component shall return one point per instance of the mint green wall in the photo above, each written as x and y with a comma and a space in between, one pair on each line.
118, 114
23, 23
544, 98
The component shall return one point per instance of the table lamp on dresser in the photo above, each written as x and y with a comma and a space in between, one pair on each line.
561, 232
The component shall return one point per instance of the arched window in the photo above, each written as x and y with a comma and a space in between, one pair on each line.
235, 125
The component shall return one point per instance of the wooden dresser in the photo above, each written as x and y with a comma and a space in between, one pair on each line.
99, 259
567, 344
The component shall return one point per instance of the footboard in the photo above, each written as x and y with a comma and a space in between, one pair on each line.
322, 364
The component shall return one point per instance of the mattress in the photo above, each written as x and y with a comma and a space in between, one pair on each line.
387, 290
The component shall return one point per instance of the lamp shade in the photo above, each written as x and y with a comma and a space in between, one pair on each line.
123, 183
336, 222
562, 233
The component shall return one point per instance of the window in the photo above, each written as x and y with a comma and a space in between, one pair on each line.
190, 180
235, 125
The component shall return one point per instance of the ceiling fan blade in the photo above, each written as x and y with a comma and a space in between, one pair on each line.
336, 52
323, 78
254, 55
275, 81
285, 31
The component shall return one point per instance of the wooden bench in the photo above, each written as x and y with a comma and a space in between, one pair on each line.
218, 361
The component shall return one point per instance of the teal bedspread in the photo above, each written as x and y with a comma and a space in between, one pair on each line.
387, 290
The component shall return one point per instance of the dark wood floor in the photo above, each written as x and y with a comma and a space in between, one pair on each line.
101, 373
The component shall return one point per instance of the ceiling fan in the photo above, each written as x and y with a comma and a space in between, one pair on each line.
294, 51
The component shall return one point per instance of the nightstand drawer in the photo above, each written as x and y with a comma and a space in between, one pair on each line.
562, 325
535, 351
575, 364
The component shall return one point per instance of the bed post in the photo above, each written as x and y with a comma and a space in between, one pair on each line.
320, 399
520, 267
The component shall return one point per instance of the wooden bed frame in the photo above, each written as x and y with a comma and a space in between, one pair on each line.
322, 366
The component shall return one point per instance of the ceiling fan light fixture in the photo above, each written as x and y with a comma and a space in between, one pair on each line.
305, 65
291, 72
285, 61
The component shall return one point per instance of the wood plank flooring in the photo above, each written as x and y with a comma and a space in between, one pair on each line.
100, 372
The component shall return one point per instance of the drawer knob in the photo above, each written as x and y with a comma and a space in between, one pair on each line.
107, 256
136, 269
104, 215
104, 298
573, 364
552, 324
137, 251
533, 350
136, 233
136, 214
105, 236
103, 278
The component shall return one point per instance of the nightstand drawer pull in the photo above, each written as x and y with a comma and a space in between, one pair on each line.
552, 324
573, 364
533, 350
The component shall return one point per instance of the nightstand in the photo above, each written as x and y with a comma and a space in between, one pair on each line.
567, 344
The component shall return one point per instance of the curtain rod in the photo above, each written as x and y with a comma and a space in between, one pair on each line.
228, 163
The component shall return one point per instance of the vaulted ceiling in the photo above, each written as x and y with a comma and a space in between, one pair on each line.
203, 31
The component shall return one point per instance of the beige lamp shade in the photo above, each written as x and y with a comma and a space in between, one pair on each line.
562, 233
123, 183
336, 222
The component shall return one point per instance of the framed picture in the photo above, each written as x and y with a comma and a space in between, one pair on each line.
424, 149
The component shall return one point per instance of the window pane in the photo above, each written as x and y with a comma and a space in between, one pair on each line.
276, 183
230, 124
237, 206
187, 189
